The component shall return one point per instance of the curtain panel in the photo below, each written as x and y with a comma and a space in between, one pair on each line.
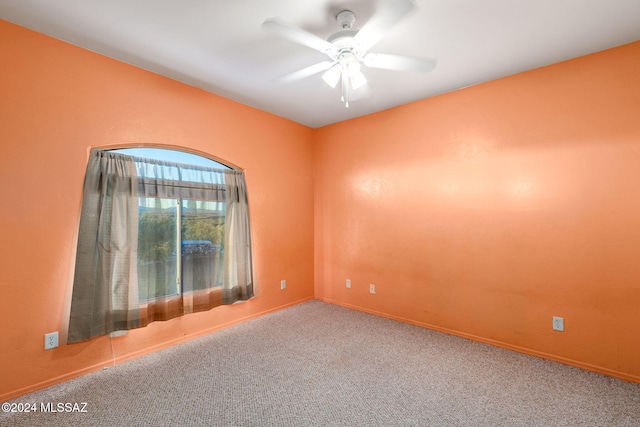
141, 253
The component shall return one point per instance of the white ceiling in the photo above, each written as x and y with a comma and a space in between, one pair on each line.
219, 45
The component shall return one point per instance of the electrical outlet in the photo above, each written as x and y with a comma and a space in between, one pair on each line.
558, 324
50, 340
348, 284
283, 284
372, 289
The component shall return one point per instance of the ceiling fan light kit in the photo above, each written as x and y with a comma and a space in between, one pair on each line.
347, 49
347, 56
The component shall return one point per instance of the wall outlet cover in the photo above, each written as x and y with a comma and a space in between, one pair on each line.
50, 340
558, 324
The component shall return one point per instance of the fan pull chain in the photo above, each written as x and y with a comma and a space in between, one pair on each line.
345, 90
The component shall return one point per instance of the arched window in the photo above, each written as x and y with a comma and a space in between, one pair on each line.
163, 233
170, 155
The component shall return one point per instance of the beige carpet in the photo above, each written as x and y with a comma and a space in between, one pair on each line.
317, 364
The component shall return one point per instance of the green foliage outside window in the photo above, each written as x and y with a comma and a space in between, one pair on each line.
156, 236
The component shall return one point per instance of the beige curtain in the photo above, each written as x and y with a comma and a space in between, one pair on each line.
123, 277
105, 295
238, 274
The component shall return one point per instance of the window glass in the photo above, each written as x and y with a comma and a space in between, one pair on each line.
202, 244
168, 155
157, 244
166, 224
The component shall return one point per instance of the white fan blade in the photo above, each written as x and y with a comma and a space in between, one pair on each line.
399, 62
381, 22
295, 34
304, 73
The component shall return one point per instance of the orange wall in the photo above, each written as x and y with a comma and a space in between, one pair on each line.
482, 212
486, 211
56, 102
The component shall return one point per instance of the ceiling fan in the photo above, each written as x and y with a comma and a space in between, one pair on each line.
348, 48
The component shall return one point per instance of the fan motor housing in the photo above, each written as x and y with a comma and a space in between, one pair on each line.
343, 41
